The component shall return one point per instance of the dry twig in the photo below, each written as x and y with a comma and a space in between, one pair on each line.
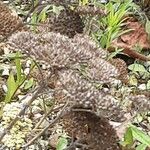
61, 114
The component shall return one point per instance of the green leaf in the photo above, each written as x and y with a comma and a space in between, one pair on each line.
11, 87
11, 55
137, 67
57, 9
62, 143
133, 80
147, 26
128, 137
141, 147
42, 15
34, 20
113, 54
140, 135
29, 84
83, 2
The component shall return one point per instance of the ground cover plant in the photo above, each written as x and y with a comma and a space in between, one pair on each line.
74, 75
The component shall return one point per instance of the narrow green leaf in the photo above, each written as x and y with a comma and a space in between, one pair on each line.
140, 135
11, 87
147, 26
141, 147
42, 15
11, 55
34, 19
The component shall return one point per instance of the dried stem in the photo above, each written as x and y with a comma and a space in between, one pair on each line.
44, 117
61, 114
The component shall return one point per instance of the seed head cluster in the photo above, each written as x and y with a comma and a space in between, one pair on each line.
8, 21
93, 131
60, 51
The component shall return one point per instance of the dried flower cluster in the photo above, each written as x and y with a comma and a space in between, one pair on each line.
94, 132
140, 102
63, 2
68, 23
60, 51
8, 21
80, 68
122, 68
84, 94
16, 138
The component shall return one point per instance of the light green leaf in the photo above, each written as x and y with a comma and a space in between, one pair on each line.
29, 84
147, 26
128, 138
57, 9
113, 54
34, 19
42, 15
11, 55
137, 67
140, 135
141, 147
11, 86
133, 80
83, 2
62, 143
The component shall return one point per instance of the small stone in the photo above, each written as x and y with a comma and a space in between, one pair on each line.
142, 87
27, 71
5, 72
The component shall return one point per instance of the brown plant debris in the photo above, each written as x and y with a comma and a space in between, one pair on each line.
83, 94
80, 69
8, 21
136, 37
140, 102
92, 131
68, 23
122, 67
60, 51
90, 10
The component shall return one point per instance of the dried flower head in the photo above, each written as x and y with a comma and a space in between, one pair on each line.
93, 131
122, 68
60, 51
8, 21
84, 94
140, 103
68, 23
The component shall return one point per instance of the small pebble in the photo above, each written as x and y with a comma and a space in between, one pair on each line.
142, 87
